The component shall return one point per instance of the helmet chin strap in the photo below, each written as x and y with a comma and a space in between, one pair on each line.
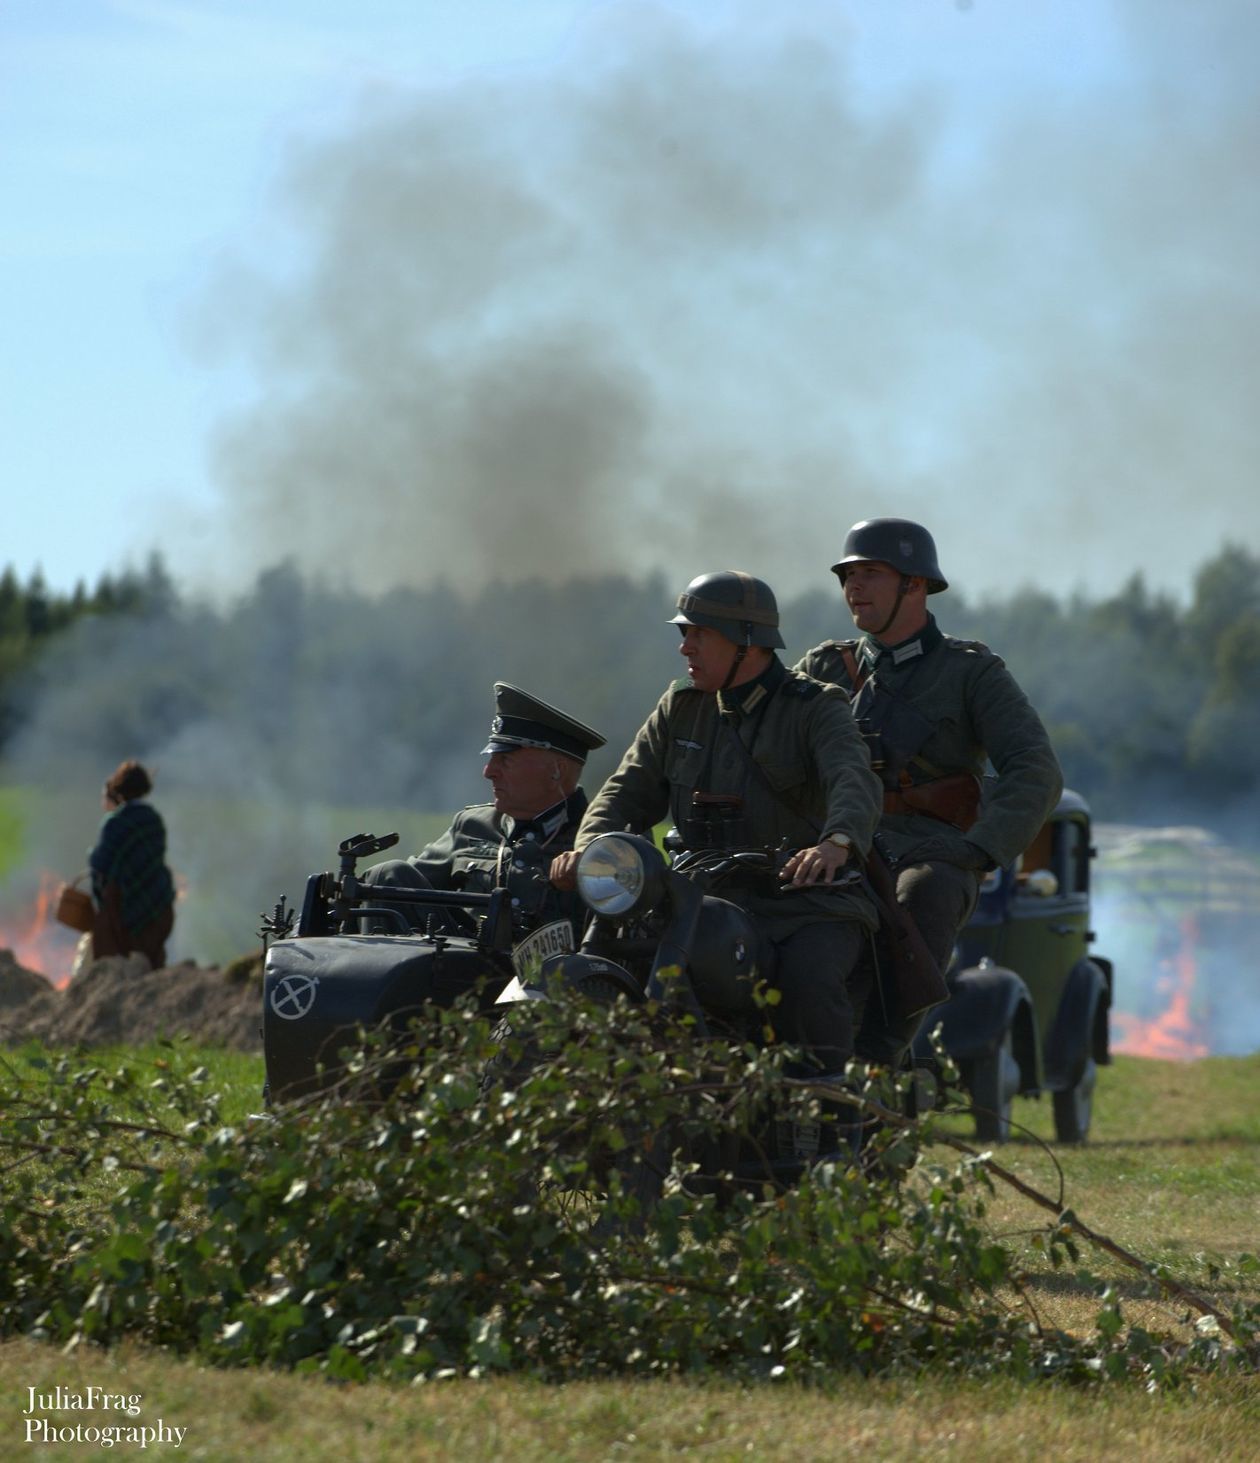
740, 652
902, 589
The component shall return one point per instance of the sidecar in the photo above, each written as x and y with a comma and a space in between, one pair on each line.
355, 958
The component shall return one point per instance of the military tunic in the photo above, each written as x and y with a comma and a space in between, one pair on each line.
815, 779
953, 704
476, 852
976, 711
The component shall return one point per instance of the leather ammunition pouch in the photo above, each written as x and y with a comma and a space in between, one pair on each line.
954, 799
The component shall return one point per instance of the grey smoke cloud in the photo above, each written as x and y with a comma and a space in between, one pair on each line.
688, 303
577, 327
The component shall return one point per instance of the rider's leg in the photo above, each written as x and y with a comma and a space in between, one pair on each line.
940, 899
814, 1011
815, 963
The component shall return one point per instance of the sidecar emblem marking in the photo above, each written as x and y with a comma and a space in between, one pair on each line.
294, 996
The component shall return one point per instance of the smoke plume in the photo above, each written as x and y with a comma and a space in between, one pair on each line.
696, 298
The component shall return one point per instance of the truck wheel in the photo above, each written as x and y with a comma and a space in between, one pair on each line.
994, 1083
1074, 1108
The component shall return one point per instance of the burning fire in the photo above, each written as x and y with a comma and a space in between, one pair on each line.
1174, 1035
37, 941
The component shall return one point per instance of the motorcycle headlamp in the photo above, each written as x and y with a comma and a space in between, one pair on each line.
620, 874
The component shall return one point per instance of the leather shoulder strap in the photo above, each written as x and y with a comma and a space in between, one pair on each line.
857, 674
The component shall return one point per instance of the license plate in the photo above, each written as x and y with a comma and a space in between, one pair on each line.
553, 939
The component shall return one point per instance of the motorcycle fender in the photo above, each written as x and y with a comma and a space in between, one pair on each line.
514, 992
573, 971
1075, 1035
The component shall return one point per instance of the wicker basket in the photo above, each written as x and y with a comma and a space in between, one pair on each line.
74, 908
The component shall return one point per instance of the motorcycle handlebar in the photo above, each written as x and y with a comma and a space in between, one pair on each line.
726, 861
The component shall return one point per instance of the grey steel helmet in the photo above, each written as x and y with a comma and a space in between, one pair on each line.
735, 604
906, 546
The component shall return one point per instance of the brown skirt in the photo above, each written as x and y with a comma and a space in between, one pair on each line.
111, 937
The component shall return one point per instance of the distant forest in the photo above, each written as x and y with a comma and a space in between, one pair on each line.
311, 692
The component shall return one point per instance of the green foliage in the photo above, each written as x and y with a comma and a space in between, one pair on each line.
487, 1211
1148, 702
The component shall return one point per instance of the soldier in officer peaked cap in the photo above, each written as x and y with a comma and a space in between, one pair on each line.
534, 758
522, 720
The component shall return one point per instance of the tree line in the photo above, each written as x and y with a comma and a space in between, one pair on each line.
32, 615
311, 691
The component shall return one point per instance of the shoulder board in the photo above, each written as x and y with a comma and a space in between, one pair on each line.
975, 647
839, 645
799, 684
683, 683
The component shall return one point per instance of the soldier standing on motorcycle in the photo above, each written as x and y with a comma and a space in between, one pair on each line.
932, 710
535, 757
743, 752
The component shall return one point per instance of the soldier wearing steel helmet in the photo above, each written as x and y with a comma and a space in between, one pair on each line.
746, 750
934, 711
534, 759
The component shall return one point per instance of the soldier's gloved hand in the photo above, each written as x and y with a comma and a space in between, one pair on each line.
563, 871
817, 865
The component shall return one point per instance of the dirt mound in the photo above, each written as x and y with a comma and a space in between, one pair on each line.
120, 1000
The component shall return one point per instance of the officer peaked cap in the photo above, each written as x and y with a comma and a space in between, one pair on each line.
522, 720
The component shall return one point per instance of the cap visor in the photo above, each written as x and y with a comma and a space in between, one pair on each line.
500, 744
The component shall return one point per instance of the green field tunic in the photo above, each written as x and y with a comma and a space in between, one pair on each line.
977, 712
815, 778
476, 851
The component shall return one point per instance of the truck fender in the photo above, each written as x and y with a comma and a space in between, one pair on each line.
1080, 1025
984, 1001
1102, 1022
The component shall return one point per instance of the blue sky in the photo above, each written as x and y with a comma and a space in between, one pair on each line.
478, 288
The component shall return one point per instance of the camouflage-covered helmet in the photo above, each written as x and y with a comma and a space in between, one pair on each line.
906, 546
736, 605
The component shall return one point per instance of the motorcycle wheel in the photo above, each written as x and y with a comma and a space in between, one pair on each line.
503, 1068
642, 1179
994, 1083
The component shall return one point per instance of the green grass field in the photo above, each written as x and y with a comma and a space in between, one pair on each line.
12, 826
1173, 1173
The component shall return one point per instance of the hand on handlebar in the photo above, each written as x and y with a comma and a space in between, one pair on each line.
817, 865
563, 871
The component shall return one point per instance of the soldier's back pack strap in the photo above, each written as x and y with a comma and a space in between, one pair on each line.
857, 674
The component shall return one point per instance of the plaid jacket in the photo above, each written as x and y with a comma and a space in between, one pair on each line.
131, 853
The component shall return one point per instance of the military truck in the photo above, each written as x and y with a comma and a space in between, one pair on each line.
1029, 1002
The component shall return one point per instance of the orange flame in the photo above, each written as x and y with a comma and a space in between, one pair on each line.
1174, 1035
37, 941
